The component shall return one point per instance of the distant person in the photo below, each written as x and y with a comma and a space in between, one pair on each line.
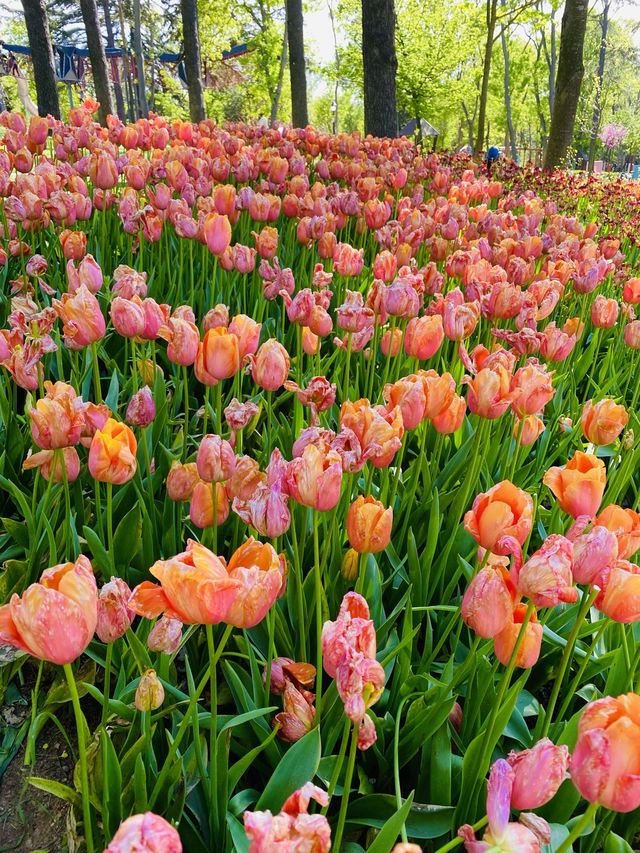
493, 155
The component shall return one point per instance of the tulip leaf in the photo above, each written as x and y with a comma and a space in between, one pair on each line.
297, 766
390, 831
421, 820
98, 551
238, 836
57, 789
113, 393
127, 538
615, 844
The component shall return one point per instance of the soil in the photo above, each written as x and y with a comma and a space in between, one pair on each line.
32, 821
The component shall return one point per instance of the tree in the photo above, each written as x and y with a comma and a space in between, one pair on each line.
117, 86
568, 82
192, 61
35, 17
143, 109
97, 58
602, 55
297, 71
379, 67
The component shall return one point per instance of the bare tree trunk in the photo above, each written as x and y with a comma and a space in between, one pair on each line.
117, 86
595, 118
336, 88
507, 96
297, 71
491, 15
128, 77
380, 65
568, 82
470, 121
35, 17
275, 103
192, 61
137, 47
98, 59
553, 67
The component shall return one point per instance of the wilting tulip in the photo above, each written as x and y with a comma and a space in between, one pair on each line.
182, 480
141, 410
150, 692
538, 773
112, 455
546, 576
145, 833
195, 587
82, 318
270, 365
594, 552
165, 636
183, 340
216, 460
201, 506
605, 764
602, 422
292, 829
625, 524
369, 525
378, 432
55, 619
503, 511
298, 714
487, 604
314, 479
423, 336
578, 486
285, 670
114, 616
57, 466
57, 420
529, 650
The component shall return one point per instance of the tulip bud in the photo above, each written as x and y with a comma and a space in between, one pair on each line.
114, 616
150, 692
141, 409
369, 525
165, 636
350, 564
367, 734
182, 480
455, 716
216, 460
539, 772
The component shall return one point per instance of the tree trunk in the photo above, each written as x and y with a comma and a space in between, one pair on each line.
595, 118
492, 11
380, 65
117, 86
553, 66
568, 82
35, 17
470, 121
507, 96
297, 72
336, 52
97, 58
275, 103
192, 61
128, 77
143, 109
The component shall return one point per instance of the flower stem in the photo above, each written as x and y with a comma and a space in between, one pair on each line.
344, 802
579, 828
96, 372
318, 586
82, 753
107, 683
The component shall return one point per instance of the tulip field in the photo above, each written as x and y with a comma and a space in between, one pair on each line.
319, 491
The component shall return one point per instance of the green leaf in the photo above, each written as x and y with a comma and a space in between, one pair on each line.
422, 821
243, 764
112, 785
98, 551
390, 831
127, 538
297, 766
615, 844
240, 840
112, 394
17, 531
63, 792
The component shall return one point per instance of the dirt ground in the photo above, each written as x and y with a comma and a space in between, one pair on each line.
32, 821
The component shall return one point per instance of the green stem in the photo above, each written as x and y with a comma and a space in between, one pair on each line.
299, 588
107, 683
96, 372
318, 596
579, 828
271, 627
82, 754
185, 391
344, 802
213, 723
110, 523
339, 762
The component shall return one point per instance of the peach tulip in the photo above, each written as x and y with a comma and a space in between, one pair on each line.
619, 598
503, 511
270, 365
602, 422
57, 420
529, 650
314, 478
258, 570
538, 773
145, 833
625, 524
578, 486
369, 525
112, 455
83, 322
220, 354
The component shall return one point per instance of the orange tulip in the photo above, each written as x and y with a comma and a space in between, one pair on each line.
259, 572
369, 525
201, 505
439, 392
619, 598
504, 510
489, 392
602, 422
529, 650
314, 478
74, 244
625, 523
57, 420
195, 588
55, 619
450, 419
220, 353
112, 454
378, 431
423, 336
578, 486
82, 318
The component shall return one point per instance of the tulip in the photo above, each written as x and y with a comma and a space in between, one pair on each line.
602, 422
182, 480
145, 833
578, 486
489, 392
410, 397
82, 318
217, 233
293, 828
247, 332
165, 636
150, 692
531, 389
183, 340
449, 420
631, 291
114, 616
246, 478
57, 420
141, 410
298, 716
529, 431
546, 576
487, 604
74, 244
127, 316
625, 524
103, 170
112, 455
529, 650
220, 354
350, 565
216, 460
604, 312
619, 598
59, 466
286, 671
54, 619
594, 552
201, 507
369, 525
632, 334
538, 773
314, 479
391, 343
195, 588
503, 511
378, 432
407, 848
605, 764
423, 336
257, 568
270, 365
